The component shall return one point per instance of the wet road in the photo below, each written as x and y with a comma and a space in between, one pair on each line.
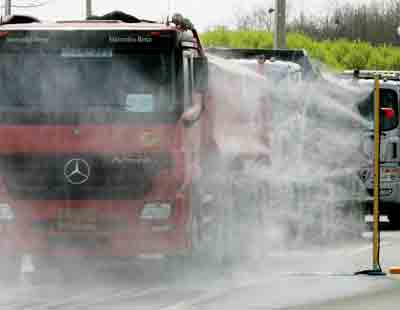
308, 278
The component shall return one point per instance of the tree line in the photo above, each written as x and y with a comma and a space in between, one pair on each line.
337, 54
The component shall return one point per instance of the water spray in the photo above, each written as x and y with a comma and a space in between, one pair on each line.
314, 149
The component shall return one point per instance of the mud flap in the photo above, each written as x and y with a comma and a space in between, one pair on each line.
10, 267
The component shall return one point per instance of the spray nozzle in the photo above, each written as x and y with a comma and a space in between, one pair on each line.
261, 59
182, 22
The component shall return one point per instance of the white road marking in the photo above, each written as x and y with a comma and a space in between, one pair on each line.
82, 301
123, 294
188, 304
67, 300
209, 296
14, 301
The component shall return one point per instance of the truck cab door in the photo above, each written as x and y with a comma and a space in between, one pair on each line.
191, 117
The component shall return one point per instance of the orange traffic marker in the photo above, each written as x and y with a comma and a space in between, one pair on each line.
394, 270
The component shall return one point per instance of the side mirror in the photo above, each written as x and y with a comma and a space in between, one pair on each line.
200, 66
192, 115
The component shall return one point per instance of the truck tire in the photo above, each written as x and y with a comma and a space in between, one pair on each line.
206, 254
212, 242
195, 256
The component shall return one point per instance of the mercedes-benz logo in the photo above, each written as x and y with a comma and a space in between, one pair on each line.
77, 171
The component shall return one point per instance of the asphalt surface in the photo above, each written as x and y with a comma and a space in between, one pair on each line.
309, 277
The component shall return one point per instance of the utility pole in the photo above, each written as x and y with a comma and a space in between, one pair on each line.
280, 24
7, 7
88, 8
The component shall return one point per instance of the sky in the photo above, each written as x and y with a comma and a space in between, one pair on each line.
203, 13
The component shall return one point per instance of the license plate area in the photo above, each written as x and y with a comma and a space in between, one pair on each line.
76, 220
76, 240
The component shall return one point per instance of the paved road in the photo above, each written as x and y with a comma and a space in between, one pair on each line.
307, 278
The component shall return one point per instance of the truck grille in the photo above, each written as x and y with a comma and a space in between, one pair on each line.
53, 177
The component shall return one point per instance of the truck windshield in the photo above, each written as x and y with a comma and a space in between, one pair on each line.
80, 78
389, 99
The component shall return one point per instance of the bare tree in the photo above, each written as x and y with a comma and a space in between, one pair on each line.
376, 22
259, 18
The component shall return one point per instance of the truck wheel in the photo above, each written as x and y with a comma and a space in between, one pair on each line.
211, 242
206, 252
182, 264
221, 248
209, 250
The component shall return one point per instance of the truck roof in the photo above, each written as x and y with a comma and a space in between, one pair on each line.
116, 20
87, 25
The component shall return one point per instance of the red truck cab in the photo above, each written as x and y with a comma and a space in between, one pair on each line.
102, 127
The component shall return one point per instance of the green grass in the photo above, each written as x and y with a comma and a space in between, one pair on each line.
340, 54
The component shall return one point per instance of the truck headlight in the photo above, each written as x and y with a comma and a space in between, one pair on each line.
156, 211
6, 212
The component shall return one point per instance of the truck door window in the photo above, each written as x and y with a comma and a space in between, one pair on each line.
126, 81
188, 79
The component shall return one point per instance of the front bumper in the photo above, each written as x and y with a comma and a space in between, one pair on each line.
118, 230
